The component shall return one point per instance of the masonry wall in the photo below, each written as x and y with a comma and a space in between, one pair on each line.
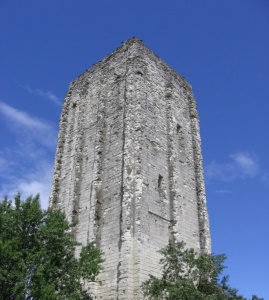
128, 166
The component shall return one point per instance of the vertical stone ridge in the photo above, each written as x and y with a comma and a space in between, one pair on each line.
122, 182
171, 192
131, 177
93, 211
204, 231
54, 199
122, 159
78, 164
137, 96
99, 152
70, 104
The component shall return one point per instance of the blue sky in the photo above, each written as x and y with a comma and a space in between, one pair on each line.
220, 47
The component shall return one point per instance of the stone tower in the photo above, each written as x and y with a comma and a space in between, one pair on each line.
128, 166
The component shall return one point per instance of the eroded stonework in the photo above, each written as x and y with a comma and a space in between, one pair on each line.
128, 166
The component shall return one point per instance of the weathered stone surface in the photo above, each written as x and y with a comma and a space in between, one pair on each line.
128, 166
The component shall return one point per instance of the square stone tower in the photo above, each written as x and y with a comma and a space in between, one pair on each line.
128, 166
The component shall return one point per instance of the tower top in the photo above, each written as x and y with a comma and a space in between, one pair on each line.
131, 48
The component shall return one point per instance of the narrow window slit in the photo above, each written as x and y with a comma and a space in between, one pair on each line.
160, 179
181, 144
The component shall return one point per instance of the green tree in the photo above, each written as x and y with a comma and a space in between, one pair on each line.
189, 276
37, 258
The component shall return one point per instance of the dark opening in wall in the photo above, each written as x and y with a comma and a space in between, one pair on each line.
138, 72
181, 144
178, 128
161, 208
161, 189
160, 179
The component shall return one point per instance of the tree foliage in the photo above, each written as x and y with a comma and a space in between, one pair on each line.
189, 276
37, 258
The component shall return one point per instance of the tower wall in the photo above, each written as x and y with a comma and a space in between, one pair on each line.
128, 166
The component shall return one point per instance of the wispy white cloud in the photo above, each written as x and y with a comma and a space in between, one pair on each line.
28, 128
224, 172
21, 118
43, 94
26, 163
265, 178
240, 166
223, 192
247, 164
49, 95
2, 164
35, 181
